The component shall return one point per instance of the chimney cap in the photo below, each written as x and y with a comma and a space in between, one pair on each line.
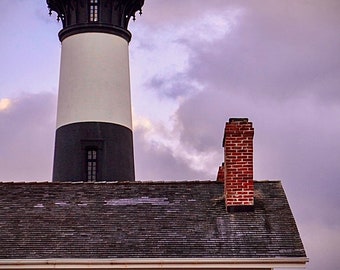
238, 120
235, 120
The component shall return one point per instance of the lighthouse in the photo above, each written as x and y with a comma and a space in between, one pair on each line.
94, 140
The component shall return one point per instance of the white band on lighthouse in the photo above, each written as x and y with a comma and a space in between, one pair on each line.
94, 81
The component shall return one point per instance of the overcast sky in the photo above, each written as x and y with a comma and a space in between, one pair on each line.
194, 64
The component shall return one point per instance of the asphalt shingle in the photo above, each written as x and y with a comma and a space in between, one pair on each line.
143, 220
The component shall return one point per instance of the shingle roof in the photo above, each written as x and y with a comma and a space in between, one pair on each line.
142, 220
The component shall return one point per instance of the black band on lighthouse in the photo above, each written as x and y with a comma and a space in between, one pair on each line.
98, 28
76, 144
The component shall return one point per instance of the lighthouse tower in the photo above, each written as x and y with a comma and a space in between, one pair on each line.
94, 123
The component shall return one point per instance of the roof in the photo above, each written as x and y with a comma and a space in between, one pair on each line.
143, 220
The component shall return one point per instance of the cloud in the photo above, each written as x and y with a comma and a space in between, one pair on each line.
160, 156
27, 133
155, 160
162, 12
275, 52
272, 64
5, 103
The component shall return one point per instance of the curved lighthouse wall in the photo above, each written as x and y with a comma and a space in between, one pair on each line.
94, 109
94, 80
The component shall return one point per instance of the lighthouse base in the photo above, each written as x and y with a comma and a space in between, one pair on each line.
93, 151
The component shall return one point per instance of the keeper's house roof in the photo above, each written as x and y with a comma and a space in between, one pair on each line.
143, 220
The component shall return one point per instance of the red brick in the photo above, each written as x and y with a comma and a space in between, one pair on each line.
238, 169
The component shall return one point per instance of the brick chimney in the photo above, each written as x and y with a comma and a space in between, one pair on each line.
220, 173
238, 165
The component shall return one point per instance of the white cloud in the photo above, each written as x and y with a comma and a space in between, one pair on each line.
5, 103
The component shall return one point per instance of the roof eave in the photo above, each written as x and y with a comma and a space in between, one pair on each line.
156, 263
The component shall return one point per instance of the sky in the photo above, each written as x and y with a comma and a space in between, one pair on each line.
195, 64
